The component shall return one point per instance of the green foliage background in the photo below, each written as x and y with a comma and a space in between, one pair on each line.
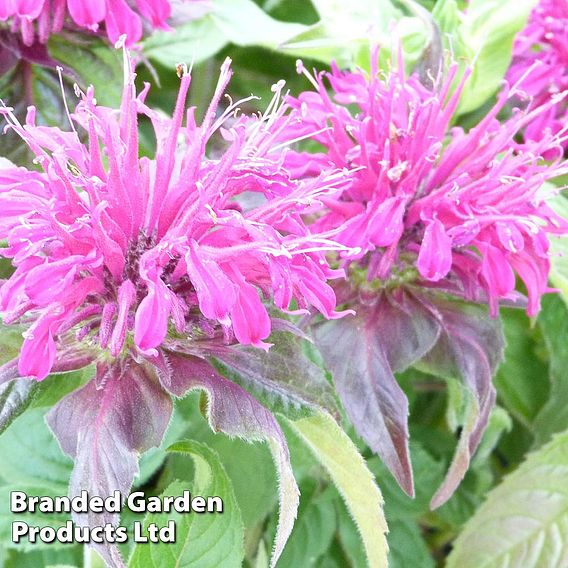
511, 509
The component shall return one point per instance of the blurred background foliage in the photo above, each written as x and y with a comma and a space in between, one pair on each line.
264, 38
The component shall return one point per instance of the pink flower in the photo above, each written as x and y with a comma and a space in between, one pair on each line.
440, 215
540, 62
133, 254
119, 17
458, 210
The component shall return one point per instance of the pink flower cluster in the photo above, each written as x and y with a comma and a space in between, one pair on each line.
540, 62
129, 252
463, 211
119, 16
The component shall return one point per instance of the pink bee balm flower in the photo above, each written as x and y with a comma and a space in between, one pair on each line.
439, 216
463, 209
151, 267
119, 17
540, 62
137, 252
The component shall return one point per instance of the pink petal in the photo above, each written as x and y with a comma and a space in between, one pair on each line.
38, 352
251, 323
510, 236
87, 13
121, 19
496, 271
126, 296
157, 11
151, 321
7, 9
435, 256
46, 283
386, 223
215, 292
533, 271
29, 8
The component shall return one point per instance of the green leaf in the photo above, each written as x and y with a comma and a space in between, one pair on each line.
407, 546
195, 41
232, 410
10, 342
487, 35
85, 61
553, 417
32, 462
94, 64
36, 519
31, 455
467, 498
344, 32
6, 268
524, 521
244, 462
203, 541
349, 537
428, 474
335, 451
15, 398
521, 381
17, 395
24, 85
447, 15
241, 460
244, 23
559, 248
240, 22
313, 531
69, 557
53, 388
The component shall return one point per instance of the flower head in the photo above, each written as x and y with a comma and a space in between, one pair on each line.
439, 216
540, 60
44, 17
428, 203
130, 253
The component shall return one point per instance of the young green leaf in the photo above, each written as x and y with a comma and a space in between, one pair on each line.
240, 22
487, 33
347, 469
344, 32
524, 521
202, 541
